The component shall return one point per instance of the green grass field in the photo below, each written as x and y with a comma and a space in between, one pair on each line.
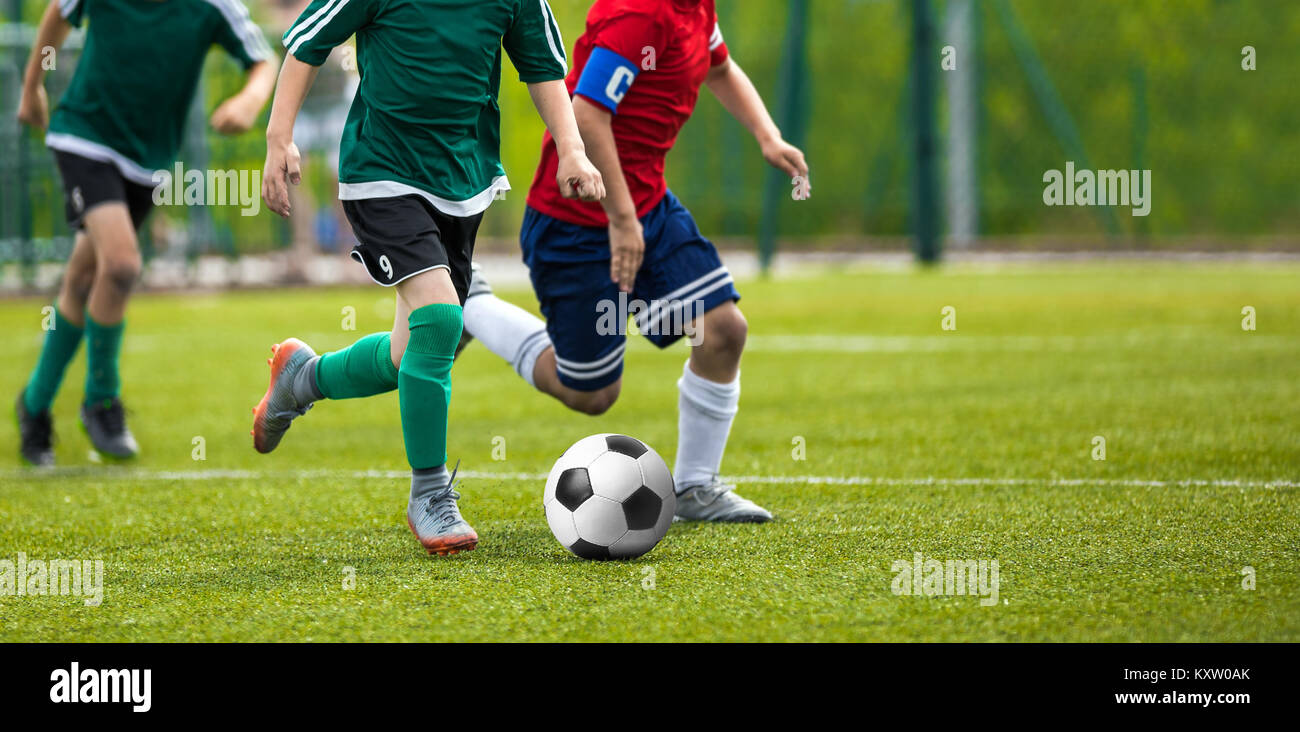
1199, 481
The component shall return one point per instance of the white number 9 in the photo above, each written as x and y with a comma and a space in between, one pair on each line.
386, 265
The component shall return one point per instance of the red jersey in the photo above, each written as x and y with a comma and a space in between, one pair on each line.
644, 61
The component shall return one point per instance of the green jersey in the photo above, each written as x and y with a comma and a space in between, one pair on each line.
425, 119
139, 68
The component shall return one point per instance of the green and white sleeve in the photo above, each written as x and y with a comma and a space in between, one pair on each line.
73, 11
326, 24
534, 43
239, 35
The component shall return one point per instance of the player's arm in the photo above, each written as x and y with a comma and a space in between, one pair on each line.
537, 51
34, 105
626, 240
576, 176
731, 85
283, 163
309, 42
239, 113
243, 40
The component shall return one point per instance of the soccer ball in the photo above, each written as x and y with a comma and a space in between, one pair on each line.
609, 497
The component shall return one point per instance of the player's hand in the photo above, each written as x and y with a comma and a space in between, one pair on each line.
788, 159
34, 107
236, 115
283, 167
626, 247
578, 178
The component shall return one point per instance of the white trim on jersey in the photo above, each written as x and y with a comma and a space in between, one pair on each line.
66, 7
548, 19
301, 25
715, 40
99, 152
332, 8
244, 28
391, 189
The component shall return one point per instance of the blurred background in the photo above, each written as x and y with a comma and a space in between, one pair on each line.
907, 152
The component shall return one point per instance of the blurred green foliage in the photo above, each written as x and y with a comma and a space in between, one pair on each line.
1219, 140
1157, 85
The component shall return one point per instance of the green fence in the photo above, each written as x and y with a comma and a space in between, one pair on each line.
1156, 85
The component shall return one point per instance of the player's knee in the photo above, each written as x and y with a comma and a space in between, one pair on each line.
77, 283
594, 403
120, 271
726, 332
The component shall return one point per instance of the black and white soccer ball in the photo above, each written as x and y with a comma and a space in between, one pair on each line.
609, 497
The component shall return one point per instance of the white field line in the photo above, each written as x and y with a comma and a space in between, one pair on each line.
118, 474
849, 343
141, 343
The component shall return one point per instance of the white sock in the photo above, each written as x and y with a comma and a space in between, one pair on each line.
705, 412
510, 332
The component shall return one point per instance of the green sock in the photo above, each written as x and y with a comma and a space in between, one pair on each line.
424, 383
103, 346
363, 369
61, 344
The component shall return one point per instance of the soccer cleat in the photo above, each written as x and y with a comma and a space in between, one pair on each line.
279, 407
437, 523
105, 425
717, 501
478, 285
36, 434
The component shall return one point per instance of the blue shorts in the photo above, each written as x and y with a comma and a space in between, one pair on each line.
680, 279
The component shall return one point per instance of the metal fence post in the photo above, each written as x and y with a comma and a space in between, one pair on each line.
925, 184
792, 95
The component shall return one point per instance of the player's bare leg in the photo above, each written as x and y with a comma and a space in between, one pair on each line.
117, 266
520, 338
117, 261
547, 379
709, 394
428, 340
709, 397
414, 358
78, 279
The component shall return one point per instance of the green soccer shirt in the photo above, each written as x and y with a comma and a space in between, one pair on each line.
137, 74
425, 119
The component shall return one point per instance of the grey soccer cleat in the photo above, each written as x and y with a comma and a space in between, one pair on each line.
717, 501
279, 407
478, 285
105, 425
436, 522
36, 435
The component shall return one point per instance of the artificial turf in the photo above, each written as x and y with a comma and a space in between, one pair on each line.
848, 368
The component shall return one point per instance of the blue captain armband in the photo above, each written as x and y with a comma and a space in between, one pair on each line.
606, 78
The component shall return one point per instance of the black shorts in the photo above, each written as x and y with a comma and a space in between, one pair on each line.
88, 183
402, 236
